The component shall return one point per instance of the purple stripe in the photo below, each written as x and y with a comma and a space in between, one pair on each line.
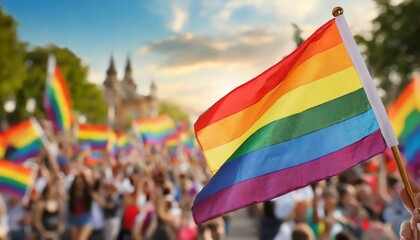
12, 192
274, 184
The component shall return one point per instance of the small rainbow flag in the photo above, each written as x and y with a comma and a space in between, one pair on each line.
57, 101
23, 141
15, 179
94, 158
94, 136
120, 143
316, 109
404, 114
155, 130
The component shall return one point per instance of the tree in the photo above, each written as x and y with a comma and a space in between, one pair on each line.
86, 97
297, 35
392, 49
174, 111
12, 52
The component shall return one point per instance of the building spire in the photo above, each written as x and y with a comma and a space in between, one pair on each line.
111, 74
111, 69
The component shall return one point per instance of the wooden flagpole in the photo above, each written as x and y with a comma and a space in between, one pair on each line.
403, 172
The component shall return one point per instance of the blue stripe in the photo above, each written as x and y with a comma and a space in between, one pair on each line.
412, 144
28, 151
291, 153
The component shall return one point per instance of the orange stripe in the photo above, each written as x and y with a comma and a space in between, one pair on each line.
309, 71
15, 168
409, 92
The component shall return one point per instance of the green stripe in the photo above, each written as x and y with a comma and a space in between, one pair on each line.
300, 124
11, 182
56, 110
411, 122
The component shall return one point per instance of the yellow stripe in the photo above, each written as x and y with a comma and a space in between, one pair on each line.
61, 102
25, 138
90, 135
16, 176
398, 120
157, 127
296, 101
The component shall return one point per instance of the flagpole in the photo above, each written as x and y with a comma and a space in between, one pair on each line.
403, 172
372, 94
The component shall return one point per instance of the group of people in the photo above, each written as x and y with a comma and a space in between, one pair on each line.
146, 194
362, 203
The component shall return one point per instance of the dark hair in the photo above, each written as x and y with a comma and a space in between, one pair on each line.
299, 234
87, 198
344, 236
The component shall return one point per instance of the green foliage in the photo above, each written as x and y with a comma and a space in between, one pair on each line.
393, 50
297, 35
12, 51
87, 98
174, 111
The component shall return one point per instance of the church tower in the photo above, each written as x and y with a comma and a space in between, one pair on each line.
111, 75
128, 78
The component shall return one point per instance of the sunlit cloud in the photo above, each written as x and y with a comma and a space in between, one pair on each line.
186, 52
180, 17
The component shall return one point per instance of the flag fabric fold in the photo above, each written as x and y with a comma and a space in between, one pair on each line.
94, 136
15, 179
155, 131
312, 110
57, 101
23, 141
404, 114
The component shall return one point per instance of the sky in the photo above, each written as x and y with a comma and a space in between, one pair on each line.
195, 50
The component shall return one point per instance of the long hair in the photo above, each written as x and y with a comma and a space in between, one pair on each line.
87, 198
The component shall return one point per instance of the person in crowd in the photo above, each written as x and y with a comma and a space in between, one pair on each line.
50, 212
4, 225
19, 219
79, 206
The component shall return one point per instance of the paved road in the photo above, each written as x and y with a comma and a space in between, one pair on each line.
243, 227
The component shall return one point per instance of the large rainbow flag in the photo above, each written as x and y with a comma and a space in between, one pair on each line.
15, 179
94, 136
57, 101
23, 141
317, 109
404, 114
155, 130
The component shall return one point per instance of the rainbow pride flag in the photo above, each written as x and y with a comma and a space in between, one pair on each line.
23, 141
15, 179
121, 143
94, 158
94, 136
57, 101
155, 130
404, 114
316, 109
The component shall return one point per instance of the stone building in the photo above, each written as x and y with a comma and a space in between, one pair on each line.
124, 102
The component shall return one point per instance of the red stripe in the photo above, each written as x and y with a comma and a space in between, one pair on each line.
64, 89
271, 185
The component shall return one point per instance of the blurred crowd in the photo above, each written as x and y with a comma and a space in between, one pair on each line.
148, 194
362, 203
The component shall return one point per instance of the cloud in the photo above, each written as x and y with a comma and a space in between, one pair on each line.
244, 47
95, 77
180, 17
